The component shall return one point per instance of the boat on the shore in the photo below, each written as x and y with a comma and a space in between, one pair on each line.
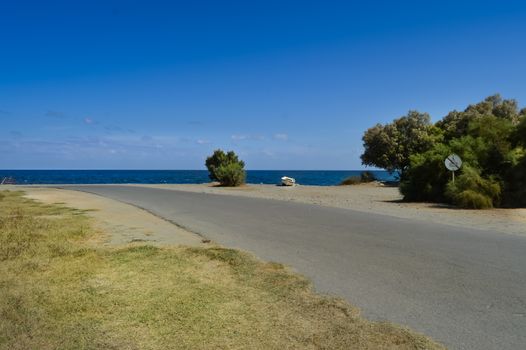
287, 181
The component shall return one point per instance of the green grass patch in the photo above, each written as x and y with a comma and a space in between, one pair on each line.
58, 292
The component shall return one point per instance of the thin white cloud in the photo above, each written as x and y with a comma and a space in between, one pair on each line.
239, 137
281, 137
268, 153
242, 137
88, 121
202, 141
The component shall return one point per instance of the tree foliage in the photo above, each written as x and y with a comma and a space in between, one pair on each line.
390, 146
489, 136
456, 124
472, 191
427, 177
226, 168
231, 174
514, 194
519, 134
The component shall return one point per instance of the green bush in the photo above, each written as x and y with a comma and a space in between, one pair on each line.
218, 159
351, 180
471, 191
231, 174
226, 168
470, 199
367, 176
427, 177
515, 186
519, 134
364, 177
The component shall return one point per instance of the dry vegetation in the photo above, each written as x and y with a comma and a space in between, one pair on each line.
59, 292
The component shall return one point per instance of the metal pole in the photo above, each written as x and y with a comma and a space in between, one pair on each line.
453, 175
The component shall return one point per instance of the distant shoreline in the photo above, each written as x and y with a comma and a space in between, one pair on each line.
271, 177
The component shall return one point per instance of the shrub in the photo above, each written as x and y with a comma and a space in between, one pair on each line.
470, 199
218, 159
364, 177
427, 177
515, 186
471, 191
351, 180
226, 168
367, 176
231, 174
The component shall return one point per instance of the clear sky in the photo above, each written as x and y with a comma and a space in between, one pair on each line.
286, 84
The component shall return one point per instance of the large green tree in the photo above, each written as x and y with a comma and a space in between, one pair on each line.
489, 136
456, 124
390, 146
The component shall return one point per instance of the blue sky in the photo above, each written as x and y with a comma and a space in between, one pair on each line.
286, 84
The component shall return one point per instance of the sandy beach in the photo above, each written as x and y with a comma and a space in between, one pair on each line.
374, 198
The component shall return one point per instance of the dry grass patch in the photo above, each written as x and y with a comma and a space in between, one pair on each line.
58, 292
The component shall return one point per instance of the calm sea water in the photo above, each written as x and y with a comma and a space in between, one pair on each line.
303, 177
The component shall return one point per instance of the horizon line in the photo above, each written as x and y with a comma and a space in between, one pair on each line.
135, 169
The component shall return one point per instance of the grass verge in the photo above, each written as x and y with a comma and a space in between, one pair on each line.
58, 292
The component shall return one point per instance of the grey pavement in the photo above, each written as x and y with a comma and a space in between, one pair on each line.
464, 287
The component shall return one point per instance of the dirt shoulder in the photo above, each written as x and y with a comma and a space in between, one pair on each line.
118, 223
375, 198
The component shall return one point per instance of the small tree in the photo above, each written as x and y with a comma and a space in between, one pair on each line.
390, 146
226, 168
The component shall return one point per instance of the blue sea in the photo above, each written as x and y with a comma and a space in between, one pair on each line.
303, 177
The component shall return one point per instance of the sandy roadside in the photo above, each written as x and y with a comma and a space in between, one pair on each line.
377, 199
118, 223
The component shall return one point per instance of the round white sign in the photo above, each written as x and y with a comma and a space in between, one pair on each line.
453, 162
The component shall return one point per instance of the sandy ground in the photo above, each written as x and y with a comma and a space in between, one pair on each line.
375, 198
118, 223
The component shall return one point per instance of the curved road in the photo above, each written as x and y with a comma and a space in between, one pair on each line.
465, 288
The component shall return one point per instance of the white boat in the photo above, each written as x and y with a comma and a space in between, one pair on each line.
287, 181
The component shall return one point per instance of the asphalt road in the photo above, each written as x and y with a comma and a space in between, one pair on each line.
465, 288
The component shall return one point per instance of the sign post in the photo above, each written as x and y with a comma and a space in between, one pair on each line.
453, 163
